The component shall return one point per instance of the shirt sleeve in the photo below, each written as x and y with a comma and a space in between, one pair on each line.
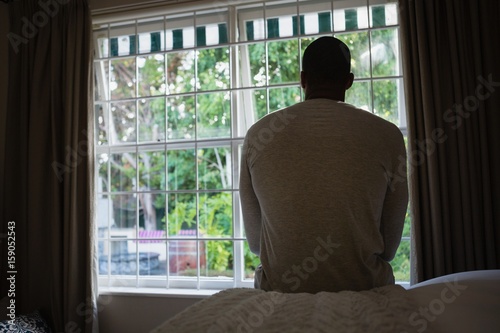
249, 203
395, 204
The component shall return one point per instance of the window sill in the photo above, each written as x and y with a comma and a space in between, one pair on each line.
157, 292
405, 285
173, 292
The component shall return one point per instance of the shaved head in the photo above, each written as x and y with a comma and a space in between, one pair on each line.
327, 60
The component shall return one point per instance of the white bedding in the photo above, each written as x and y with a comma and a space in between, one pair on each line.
465, 302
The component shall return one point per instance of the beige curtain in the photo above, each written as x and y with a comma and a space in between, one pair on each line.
452, 77
48, 175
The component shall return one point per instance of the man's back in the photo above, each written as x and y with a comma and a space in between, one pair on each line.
318, 206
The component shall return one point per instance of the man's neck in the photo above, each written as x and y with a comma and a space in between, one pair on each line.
327, 94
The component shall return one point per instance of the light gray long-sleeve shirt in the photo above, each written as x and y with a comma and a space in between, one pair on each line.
324, 194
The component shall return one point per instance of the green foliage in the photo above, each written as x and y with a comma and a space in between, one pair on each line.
401, 262
251, 261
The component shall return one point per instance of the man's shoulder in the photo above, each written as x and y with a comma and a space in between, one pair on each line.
276, 120
375, 121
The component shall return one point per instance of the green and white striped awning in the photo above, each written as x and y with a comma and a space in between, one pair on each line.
317, 23
276, 27
215, 34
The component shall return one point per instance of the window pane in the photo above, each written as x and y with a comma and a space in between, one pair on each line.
251, 261
180, 31
216, 214
181, 169
360, 53
252, 105
360, 95
214, 115
102, 184
123, 79
151, 116
123, 258
181, 214
152, 170
102, 247
385, 98
151, 75
214, 168
212, 34
315, 17
150, 35
283, 61
259, 98
251, 22
351, 18
391, 14
181, 118
401, 262
102, 41
280, 98
124, 122
383, 15
219, 258
122, 39
152, 257
124, 216
102, 216
304, 43
123, 172
407, 226
183, 258
151, 215
180, 72
213, 69
385, 54
253, 65
101, 123
101, 80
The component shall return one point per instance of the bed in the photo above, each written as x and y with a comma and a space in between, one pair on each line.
463, 302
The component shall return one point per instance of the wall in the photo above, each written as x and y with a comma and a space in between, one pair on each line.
137, 314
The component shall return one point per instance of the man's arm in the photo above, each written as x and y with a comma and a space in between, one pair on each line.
249, 204
395, 204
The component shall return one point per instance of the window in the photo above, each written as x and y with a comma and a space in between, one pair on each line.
174, 96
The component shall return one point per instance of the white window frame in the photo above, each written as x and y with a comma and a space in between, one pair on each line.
206, 14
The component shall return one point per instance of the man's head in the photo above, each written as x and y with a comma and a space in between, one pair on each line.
326, 69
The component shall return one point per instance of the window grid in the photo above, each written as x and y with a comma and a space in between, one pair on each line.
233, 141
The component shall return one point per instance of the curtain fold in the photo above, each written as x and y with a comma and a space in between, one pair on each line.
49, 172
452, 84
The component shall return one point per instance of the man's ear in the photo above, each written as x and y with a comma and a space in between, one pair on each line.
303, 80
349, 81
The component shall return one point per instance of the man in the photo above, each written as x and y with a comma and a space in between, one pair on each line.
323, 186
